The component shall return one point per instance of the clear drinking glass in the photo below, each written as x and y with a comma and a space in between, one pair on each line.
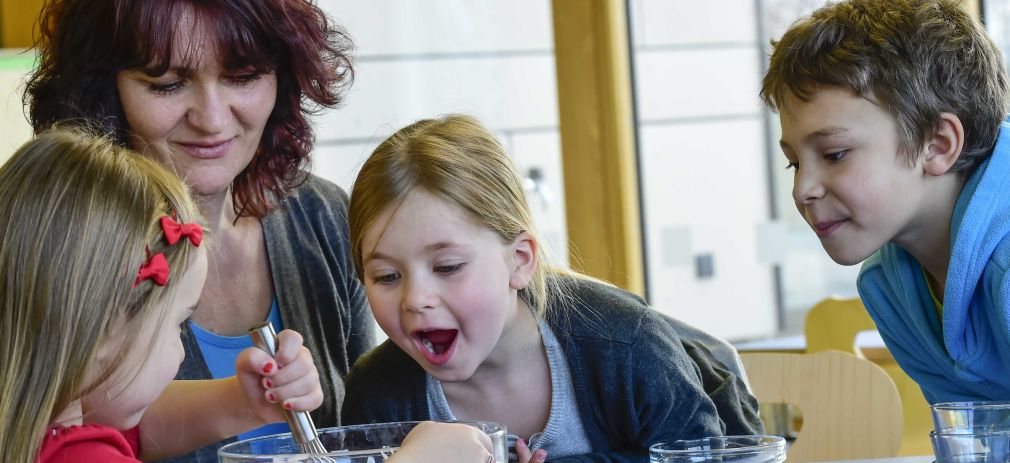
367, 443
727, 449
973, 417
992, 447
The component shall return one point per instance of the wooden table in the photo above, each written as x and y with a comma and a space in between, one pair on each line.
869, 345
785, 344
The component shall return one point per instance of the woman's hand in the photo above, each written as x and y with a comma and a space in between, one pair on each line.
431, 442
290, 379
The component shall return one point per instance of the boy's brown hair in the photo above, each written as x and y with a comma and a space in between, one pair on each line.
914, 58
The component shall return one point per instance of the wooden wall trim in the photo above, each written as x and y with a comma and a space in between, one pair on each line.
598, 140
17, 21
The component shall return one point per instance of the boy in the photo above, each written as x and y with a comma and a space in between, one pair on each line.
891, 117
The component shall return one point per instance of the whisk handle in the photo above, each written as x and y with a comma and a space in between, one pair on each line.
302, 428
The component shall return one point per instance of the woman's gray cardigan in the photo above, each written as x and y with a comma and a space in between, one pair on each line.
317, 291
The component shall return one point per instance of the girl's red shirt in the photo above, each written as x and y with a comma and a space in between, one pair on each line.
89, 443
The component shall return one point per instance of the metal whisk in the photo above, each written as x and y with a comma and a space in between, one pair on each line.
302, 428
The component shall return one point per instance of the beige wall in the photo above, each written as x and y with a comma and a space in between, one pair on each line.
14, 128
17, 19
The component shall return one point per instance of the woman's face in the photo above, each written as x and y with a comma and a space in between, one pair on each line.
198, 118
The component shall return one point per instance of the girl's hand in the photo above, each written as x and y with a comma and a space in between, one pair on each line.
525, 456
290, 379
431, 442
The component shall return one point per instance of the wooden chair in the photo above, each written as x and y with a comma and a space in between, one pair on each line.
851, 409
833, 324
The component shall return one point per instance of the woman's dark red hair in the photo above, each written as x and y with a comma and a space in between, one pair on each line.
84, 43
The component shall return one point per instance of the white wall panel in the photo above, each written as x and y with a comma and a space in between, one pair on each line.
542, 150
697, 83
709, 178
505, 92
681, 22
340, 163
405, 27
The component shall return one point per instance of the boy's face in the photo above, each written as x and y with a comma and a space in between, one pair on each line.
851, 185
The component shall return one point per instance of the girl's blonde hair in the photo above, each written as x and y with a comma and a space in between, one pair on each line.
458, 160
77, 214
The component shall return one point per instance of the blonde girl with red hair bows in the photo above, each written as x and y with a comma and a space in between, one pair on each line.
102, 259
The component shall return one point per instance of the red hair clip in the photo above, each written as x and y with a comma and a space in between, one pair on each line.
156, 268
174, 231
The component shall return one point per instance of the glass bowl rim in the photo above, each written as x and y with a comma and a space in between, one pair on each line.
767, 442
971, 405
496, 428
1005, 434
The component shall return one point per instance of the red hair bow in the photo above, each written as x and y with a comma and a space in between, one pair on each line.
174, 231
156, 268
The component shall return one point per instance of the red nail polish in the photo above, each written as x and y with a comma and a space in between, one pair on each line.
269, 384
268, 368
288, 406
271, 397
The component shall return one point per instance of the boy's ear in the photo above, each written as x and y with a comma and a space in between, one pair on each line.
524, 261
944, 148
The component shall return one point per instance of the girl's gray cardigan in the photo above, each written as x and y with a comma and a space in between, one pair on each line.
636, 382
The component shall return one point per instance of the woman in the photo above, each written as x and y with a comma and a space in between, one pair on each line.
221, 93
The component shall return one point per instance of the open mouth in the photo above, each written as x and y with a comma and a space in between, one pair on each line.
437, 346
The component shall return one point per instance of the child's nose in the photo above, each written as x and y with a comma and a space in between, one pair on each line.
417, 295
807, 185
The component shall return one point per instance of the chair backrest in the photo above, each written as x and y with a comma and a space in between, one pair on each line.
851, 409
833, 324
